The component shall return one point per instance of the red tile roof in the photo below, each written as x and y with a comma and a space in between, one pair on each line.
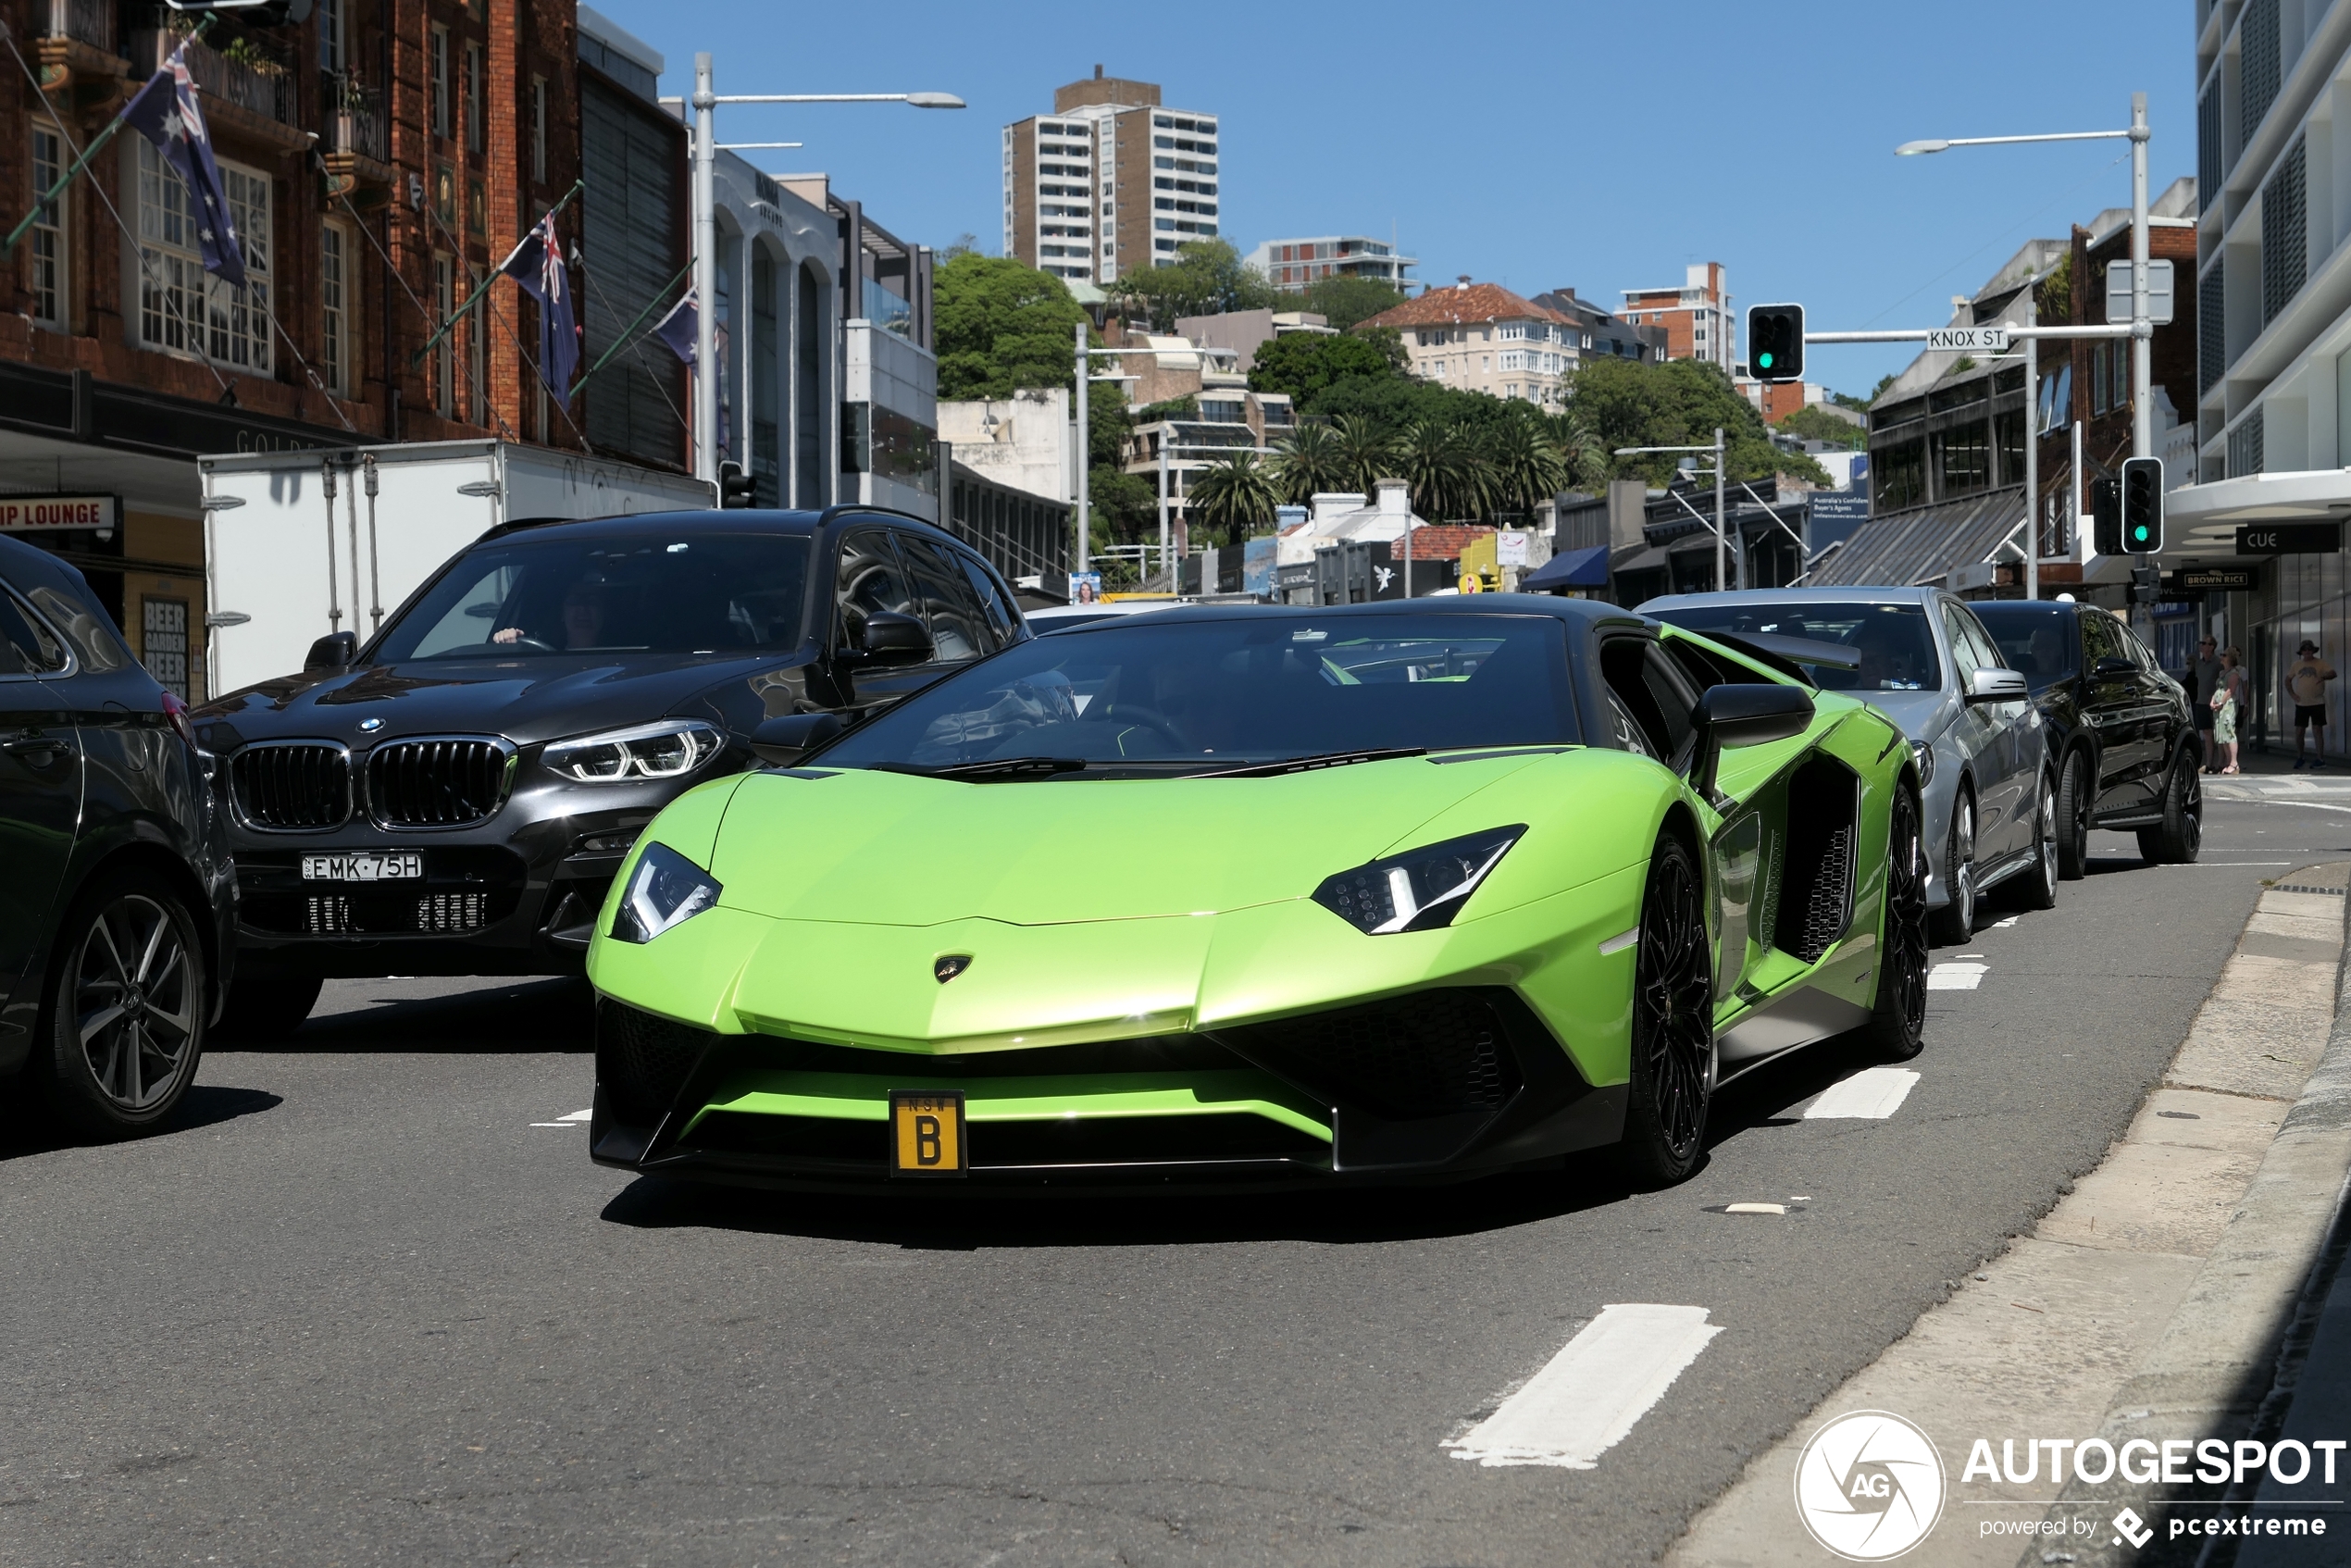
1455, 306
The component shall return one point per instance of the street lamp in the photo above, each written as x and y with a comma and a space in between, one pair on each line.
705, 220
1721, 539
2142, 330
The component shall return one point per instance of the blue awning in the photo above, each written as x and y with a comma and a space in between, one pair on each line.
1570, 568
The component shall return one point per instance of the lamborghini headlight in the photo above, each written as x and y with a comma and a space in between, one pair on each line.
665, 889
671, 749
1419, 890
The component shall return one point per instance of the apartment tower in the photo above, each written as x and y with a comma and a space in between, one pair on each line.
1110, 180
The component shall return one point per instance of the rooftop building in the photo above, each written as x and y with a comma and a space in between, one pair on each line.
1113, 180
1294, 266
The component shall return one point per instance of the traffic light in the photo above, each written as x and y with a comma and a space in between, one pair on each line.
2106, 517
1776, 342
734, 487
2142, 506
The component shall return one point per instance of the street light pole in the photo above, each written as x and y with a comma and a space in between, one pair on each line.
1084, 458
2142, 330
1721, 541
704, 224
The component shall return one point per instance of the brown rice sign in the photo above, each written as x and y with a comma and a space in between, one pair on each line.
29, 514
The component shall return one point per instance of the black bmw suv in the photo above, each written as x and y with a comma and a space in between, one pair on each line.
116, 895
454, 797
2120, 731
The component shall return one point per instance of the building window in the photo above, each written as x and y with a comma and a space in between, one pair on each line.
539, 129
1967, 459
445, 367
440, 67
49, 274
163, 642
330, 35
2101, 358
477, 203
334, 303
182, 307
444, 195
473, 97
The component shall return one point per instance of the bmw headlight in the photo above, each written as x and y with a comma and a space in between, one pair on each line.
671, 749
1923, 754
1419, 890
665, 889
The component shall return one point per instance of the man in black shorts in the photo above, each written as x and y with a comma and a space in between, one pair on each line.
2306, 682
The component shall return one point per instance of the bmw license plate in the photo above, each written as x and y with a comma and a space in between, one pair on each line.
926, 1134
365, 865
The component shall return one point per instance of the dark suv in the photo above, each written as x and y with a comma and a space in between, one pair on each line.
116, 895
2120, 729
454, 797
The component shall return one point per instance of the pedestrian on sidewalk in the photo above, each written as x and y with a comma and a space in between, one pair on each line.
2204, 679
2228, 707
2307, 679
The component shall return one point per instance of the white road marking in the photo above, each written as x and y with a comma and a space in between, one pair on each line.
1871, 1094
574, 1119
1618, 944
1755, 1208
2004, 925
1956, 977
1591, 1394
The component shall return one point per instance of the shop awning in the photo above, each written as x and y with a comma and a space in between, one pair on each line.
1570, 568
1909, 549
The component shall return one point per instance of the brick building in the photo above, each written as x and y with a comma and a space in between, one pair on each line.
1481, 337
381, 157
1695, 316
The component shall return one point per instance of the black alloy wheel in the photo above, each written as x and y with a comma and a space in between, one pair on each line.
2038, 887
2178, 838
2073, 817
1897, 1022
1674, 1062
1955, 922
126, 1004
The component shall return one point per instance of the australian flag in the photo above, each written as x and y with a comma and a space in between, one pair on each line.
537, 267
677, 331
165, 112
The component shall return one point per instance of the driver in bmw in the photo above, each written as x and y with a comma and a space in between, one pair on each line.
583, 618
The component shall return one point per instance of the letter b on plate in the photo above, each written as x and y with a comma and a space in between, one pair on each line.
926, 1134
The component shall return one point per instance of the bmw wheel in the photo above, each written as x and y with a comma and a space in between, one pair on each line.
2073, 817
126, 1008
2040, 884
1955, 922
2178, 838
1673, 1023
1898, 1023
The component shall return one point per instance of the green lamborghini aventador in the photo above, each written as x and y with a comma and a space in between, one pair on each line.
1277, 895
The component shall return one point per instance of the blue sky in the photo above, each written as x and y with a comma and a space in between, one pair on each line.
1533, 145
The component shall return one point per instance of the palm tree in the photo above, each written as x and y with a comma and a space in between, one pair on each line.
1584, 454
1234, 496
1306, 461
1367, 453
1449, 478
1527, 468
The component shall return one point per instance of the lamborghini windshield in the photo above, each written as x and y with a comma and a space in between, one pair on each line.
1896, 650
608, 595
1149, 697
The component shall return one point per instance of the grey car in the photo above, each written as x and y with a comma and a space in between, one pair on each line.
1920, 656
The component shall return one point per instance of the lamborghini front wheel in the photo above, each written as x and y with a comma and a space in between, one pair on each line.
1673, 1080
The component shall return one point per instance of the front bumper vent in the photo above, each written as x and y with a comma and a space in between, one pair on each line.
642, 1060
292, 786
1432, 1054
443, 782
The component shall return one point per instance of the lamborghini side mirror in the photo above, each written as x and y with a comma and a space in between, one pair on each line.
1745, 715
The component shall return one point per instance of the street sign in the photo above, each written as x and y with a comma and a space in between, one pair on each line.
2213, 579
1971, 340
2289, 539
2118, 292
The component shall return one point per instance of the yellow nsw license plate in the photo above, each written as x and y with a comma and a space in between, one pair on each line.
926, 1134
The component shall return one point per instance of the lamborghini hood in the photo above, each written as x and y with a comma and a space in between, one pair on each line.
891, 848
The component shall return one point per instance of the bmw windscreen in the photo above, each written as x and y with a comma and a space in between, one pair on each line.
1144, 700
1895, 647
609, 595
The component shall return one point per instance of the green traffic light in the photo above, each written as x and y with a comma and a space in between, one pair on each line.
1764, 359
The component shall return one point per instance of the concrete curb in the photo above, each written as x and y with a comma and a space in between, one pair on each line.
2226, 1364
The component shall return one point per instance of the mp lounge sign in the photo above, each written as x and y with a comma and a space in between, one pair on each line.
40, 514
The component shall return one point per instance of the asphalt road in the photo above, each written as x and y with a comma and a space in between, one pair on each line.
358, 1308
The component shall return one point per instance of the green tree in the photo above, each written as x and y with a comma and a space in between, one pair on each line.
1234, 496
1302, 364
1344, 301
1124, 507
1000, 326
1583, 455
1207, 278
1524, 464
1308, 462
1678, 402
1367, 452
1879, 391
1452, 478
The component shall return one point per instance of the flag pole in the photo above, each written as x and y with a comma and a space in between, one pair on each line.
482, 291
629, 333
97, 142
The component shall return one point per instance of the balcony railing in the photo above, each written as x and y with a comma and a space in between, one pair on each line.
89, 21
244, 72
355, 117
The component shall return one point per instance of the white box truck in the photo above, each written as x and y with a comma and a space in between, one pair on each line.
300, 545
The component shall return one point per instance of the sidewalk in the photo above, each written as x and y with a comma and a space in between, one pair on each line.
2150, 1301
